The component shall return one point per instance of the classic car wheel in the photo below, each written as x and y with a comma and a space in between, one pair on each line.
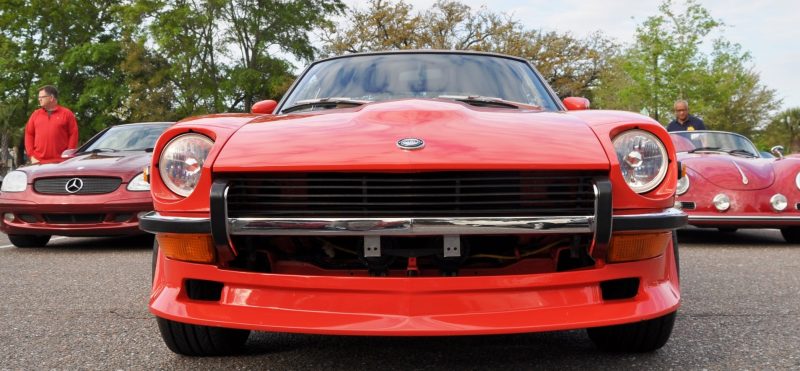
644, 336
196, 340
23, 240
791, 234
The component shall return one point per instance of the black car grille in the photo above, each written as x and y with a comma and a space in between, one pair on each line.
425, 194
91, 185
73, 218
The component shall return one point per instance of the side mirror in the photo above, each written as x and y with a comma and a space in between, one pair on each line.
576, 103
264, 106
777, 151
69, 153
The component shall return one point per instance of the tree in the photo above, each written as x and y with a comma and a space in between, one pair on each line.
571, 65
783, 129
258, 29
666, 63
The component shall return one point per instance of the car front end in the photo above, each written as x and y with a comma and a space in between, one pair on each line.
414, 217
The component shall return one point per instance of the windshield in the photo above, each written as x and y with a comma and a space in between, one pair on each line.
137, 137
696, 141
421, 75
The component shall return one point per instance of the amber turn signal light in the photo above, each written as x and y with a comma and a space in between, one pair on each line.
639, 246
146, 174
198, 248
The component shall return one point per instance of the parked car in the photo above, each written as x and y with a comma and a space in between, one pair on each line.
729, 184
415, 193
99, 190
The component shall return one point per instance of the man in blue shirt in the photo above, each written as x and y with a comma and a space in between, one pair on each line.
683, 120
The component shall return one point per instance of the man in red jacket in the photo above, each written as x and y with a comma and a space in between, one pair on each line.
51, 129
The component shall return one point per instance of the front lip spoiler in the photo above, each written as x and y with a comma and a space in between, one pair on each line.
667, 219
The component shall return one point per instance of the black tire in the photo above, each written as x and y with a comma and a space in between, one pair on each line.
639, 337
676, 253
790, 234
202, 341
727, 229
28, 240
153, 264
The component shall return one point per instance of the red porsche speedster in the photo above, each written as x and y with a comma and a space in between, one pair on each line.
99, 190
415, 193
729, 184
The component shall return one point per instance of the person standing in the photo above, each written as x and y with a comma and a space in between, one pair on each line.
50, 130
683, 120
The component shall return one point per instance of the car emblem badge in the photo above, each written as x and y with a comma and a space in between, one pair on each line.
74, 185
410, 143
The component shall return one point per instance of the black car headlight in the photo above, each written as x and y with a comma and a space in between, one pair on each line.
642, 159
181, 162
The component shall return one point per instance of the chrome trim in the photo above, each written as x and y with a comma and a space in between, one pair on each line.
153, 222
744, 177
703, 218
666, 219
410, 226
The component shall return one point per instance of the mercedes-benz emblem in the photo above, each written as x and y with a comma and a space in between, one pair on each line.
411, 143
74, 185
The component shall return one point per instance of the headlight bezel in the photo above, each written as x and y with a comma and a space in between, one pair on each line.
171, 148
624, 149
15, 181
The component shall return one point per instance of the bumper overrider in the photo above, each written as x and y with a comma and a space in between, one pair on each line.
357, 305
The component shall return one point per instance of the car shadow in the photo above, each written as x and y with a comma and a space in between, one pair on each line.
546, 350
116, 243
738, 238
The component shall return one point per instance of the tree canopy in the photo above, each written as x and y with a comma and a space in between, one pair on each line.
155, 60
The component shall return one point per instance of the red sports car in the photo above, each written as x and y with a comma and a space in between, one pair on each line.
99, 190
729, 184
415, 193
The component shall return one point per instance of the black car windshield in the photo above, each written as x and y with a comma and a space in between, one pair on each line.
132, 137
713, 141
359, 79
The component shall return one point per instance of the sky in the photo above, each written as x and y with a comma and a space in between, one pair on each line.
768, 29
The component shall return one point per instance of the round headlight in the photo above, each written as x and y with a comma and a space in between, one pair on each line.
797, 180
683, 184
138, 183
181, 162
721, 202
14, 181
642, 159
778, 202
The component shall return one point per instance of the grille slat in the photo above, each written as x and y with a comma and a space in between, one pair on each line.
91, 185
445, 194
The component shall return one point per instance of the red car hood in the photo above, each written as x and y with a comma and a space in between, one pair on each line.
456, 135
724, 170
125, 165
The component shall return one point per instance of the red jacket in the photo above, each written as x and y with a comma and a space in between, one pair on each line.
47, 135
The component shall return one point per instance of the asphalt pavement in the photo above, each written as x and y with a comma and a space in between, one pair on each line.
81, 303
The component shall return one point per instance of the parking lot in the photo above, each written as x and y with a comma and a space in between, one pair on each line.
82, 303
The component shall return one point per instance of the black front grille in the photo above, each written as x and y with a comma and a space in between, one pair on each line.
73, 218
426, 194
90, 185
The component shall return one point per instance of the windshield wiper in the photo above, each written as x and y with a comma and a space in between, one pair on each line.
330, 102
741, 152
98, 150
487, 101
704, 149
